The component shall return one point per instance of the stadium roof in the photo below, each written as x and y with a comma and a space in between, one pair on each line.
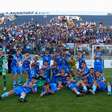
85, 7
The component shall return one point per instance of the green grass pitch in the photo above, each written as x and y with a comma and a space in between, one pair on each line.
62, 101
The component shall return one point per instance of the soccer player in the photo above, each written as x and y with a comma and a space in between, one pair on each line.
71, 84
99, 83
72, 63
53, 77
61, 79
80, 80
41, 79
35, 60
54, 71
59, 60
80, 59
46, 90
19, 66
65, 65
22, 91
46, 68
90, 78
3, 64
32, 72
16, 67
47, 58
98, 62
84, 69
26, 64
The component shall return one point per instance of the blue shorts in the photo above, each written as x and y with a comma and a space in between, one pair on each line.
17, 70
53, 87
14, 70
90, 83
98, 66
20, 70
26, 70
101, 85
20, 89
72, 86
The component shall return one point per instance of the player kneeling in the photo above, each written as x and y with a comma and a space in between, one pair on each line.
99, 83
71, 84
48, 88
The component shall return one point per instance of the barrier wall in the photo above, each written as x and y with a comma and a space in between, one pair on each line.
107, 63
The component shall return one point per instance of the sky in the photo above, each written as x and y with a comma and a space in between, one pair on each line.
76, 6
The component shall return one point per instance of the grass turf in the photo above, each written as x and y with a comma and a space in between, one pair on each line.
62, 101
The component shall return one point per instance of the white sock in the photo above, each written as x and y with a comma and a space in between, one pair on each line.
5, 95
85, 88
94, 88
109, 88
23, 95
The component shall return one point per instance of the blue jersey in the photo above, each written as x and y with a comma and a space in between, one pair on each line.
61, 79
66, 68
26, 64
47, 74
101, 82
16, 59
14, 67
19, 63
47, 58
68, 55
19, 57
62, 64
32, 73
36, 67
98, 65
14, 63
59, 60
65, 63
81, 60
101, 78
86, 71
90, 79
98, 54
54, 72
